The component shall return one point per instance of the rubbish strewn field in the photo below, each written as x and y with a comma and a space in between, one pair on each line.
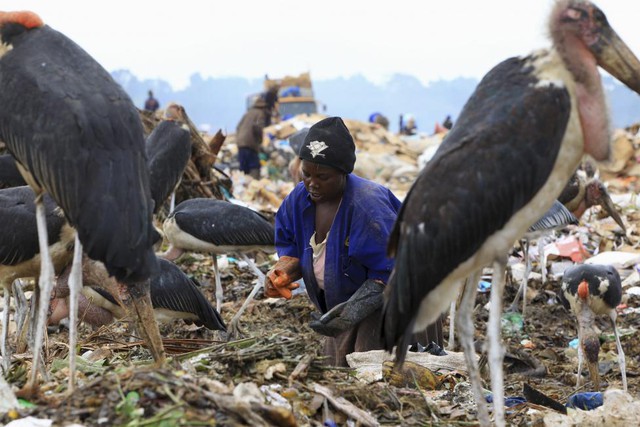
273, 374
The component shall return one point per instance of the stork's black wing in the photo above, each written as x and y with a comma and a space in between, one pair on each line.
557, 216
495, 159
75, 129
224, 224
175, 291
18, 230
168, 151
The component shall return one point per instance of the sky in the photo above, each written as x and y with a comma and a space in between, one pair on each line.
431, 40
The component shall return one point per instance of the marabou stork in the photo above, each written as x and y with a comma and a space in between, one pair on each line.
526, 128
219, 227
9, 174
19, 250
76, 135
589, 291
168, 151
583, 192
557, 217
174, 295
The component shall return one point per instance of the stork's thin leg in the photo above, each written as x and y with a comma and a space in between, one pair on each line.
45, 283
452, 316
621, 359
580, 358
522, 290
496, 350
172, 204
6, 355
75, 285
451, 345
219, 290
542, 242
465, 330
234, 327
24, 311
21, 306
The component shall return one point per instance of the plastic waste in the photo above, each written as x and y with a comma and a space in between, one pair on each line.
512, 323
585, 401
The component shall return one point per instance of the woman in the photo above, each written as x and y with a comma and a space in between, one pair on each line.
332, 230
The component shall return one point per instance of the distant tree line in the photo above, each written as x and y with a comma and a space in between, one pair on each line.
218, 103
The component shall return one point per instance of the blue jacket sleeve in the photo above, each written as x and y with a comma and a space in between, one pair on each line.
372, 224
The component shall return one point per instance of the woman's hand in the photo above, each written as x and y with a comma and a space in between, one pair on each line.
280, 280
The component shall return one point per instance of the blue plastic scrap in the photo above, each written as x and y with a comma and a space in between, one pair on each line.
508, 401
585, 401
484, 286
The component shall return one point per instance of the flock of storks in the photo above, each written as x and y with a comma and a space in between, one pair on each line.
93, 186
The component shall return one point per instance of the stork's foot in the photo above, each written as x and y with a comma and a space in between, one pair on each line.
29, 391
234, 331
513, 308
141, 310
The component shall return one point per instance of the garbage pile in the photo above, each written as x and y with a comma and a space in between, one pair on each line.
382, 156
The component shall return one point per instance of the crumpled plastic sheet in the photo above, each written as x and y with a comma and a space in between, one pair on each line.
586, 401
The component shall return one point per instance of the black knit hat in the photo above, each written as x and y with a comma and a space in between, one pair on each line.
330, 143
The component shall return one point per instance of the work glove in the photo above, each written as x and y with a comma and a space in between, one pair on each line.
367, 299
280, 280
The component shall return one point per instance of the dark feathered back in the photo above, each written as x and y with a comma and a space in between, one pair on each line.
18, 231
9, 174
472, 186
175, 291
596, 275
75, 129
223, 223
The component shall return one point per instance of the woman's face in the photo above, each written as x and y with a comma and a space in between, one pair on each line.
324, 183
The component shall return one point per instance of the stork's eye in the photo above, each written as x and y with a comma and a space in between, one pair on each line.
599, 16
575, 14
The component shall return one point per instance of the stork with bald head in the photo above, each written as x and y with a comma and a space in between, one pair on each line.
19, 250
174, 295
168, 150
219, 227
526, 127
589, 291
582, 192
77, 136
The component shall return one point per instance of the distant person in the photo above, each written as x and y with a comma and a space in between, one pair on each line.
249, 133
151, 104
448, 124
379, 119
408, 125
271, 98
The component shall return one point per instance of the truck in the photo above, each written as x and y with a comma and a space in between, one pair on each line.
295, 95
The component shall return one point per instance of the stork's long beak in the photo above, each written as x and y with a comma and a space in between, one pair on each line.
139, 308
615, 56
594, 374
609, 206
591, 348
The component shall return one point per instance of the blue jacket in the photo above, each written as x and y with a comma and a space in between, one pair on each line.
357, 245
